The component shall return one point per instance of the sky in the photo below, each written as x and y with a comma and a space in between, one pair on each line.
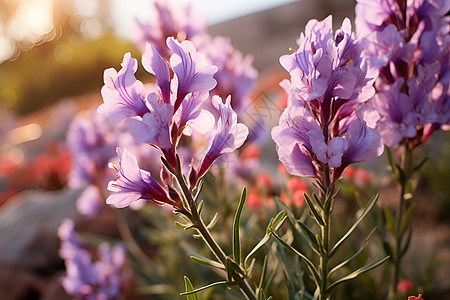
217, 11
34, 18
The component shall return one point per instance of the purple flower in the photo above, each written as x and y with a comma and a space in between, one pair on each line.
320, 130
133, 184
236, 75
86, 277
409, 44
225, 138
181, 23
92, 144
153, 127
192, 71
90, 202
123, 95
190, 116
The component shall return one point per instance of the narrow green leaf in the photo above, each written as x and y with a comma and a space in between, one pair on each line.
218, 283
358, 221
408, 241
329, 201
208, 262
213, 221
313, 210
298, 229
387, 249
256, 248
200, 258
200, 207
390, 219
276, 222
310, 265
356, 273
198, 190
419, 165
406, 217
364, 246
310, 235
182, 225
317, 200
237, 218
191, 294
262, 279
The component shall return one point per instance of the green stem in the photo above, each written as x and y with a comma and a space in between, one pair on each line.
325, 235
403, 182
209, 239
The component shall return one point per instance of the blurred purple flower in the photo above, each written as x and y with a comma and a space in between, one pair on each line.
92, 144
181, 23
133, 184
86, 278
90, 202
227, 136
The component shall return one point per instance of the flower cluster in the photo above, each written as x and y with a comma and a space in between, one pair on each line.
85, 278
182, 23
320, 129
409, 43
159, 118
92, 142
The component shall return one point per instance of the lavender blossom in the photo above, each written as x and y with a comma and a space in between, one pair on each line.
409, 45
122, 93
225, 138
92, 144
133, 184
181, 23
329, 81
90, 202
86, 278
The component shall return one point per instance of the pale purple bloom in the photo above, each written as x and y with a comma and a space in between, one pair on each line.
92, 143
153, 127
90, 202
133, 184
123, 95
192, 71
155, 64
89, 277
329, 80
329, 68
181, 23
189, 116
227, 136
410, 46
236, 75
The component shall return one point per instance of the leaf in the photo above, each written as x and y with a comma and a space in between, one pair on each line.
363, 247
256, 248
408, 241
367, 267
406, 217
236, 237
310, 235
317, 200
200, 207
262, 279
390, 219
213, 221
313, 210
191, 294
218, 283
358, 221
298, 228
202, 259
329, 201
309, 264
208, 262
